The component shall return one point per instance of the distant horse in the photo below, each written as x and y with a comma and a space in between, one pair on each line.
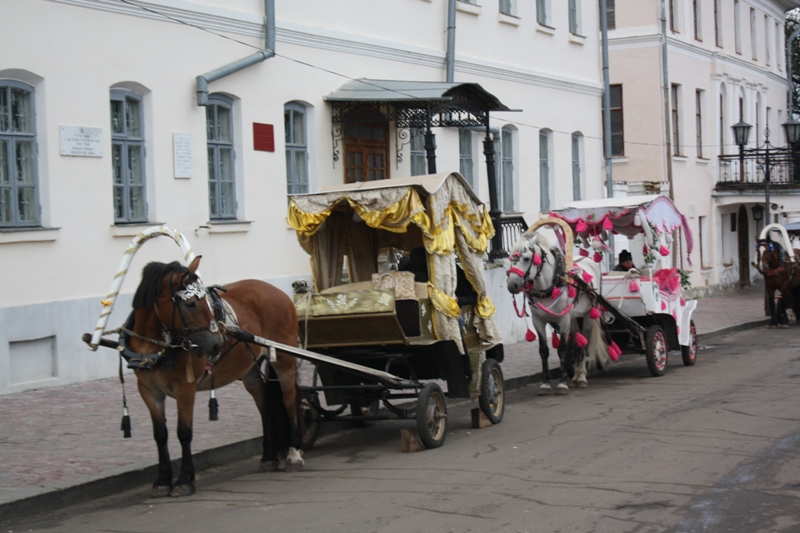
780, 273
176, 341
539, 270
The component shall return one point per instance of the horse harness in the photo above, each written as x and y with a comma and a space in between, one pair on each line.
783, 258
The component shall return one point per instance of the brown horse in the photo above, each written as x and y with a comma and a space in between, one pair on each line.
781, 273
176, 340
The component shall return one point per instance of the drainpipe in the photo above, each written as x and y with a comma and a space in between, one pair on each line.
450, 57
606, 99
269, 51
667, 126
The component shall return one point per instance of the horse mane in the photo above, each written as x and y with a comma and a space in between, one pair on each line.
152, 274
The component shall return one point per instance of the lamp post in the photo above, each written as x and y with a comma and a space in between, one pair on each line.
741, 135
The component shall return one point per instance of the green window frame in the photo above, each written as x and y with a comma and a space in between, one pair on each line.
19, 179
221, 158
128, 157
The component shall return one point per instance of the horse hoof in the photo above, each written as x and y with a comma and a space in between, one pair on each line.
545, 389
268, 466
294, 466
582, 384
161, 492
182, 490
562, 389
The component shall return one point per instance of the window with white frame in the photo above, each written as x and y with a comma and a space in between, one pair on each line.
465, 161
753, 40
127, 157
577, 181
737, 35
19, 194
544, 169
698, 120
674, 22
718, 23
766, 39
221, 174
574, 7
507, 7
507, 161
543, 12
778, 47
295, 126
419, 161
698, 20
611, 15
675, 102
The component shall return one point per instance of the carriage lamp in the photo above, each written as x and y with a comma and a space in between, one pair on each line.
758, 212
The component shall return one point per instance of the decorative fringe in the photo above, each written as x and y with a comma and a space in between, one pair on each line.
587, 277
571, 292
580, 340
537, 259
607, 224
126, 423
556, 340
663, 251
581, 226
213, 406
594, 313
583, 252
530, 336
556, 292
633, 286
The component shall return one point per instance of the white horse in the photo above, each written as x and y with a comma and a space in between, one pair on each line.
539, 270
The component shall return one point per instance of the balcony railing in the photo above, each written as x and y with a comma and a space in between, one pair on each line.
735, 173
511, 227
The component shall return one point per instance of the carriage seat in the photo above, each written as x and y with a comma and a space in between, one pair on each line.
420, 289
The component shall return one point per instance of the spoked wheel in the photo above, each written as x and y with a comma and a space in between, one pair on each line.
656, 350
493, 392
365, 408
311, 421
689, 353
431, 415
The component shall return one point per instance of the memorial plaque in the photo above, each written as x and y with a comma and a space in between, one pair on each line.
81, 141
182, 154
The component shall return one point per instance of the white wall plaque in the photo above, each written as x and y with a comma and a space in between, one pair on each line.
80, 141
182, 154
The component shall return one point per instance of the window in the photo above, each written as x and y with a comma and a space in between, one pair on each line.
718, 23
698, 121
778, 47
722, 102
543, 12
366, 152
617, 122
465, 156
673, 16
419, 161
611, 15
574, 17
219, 137
675, 115
753, 40
127, 157
705, 257
698, 22
544, 169
577, 141
507, 7
295, 126
19, 194
737, 37
766, 38
508, 169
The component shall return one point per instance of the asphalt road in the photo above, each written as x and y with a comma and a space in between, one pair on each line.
713, 447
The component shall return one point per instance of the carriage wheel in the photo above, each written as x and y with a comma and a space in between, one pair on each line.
493, 392
311, 421
656, 350
689, 353
359, 409
431, 415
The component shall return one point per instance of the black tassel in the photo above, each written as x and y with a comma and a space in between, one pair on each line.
213, 406
126, 423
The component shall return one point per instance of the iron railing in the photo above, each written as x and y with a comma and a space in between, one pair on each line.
749, 172
511, 227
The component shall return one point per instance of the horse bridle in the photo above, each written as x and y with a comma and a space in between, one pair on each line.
559, 267
783, 257
193, 290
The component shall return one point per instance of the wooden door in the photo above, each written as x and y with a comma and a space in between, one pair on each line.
743, 234
366, 152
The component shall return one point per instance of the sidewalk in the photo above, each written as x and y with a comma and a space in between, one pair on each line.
63, 445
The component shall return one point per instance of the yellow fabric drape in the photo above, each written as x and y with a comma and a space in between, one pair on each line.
444, 302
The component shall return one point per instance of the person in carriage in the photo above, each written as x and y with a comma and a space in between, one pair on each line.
625, 262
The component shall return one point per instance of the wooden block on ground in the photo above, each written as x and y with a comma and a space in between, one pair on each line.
410, 441
479, 420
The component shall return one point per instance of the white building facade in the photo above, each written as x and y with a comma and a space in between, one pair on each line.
101, 136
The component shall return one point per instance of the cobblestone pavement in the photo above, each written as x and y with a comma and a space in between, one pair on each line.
59, 438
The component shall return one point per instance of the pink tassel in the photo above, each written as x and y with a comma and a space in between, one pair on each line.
556, 340
613, 351
594, 313
556, 292
583, 252
663, 306
580, 340
597, 257
644, 249
633, 285
675, 316
537, 259
571, 292
683, 302
663, 251
607, 224
581, 226
587, 277
530, 336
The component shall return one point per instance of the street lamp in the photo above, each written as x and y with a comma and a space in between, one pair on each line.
741, 134
758, 213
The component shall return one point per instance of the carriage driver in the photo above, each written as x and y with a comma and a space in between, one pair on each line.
625, 262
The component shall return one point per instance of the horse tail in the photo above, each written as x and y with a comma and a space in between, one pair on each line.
597, 350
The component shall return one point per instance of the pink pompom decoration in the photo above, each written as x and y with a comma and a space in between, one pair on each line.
571, 292
633, 285
597, 257
644, 249
594, 313
530, 336
675, 316
613, 351
537, 259
580, 340
607, 224
587, 277
663, 251
683, 302
581, 226
556, 340
583, 252
663, 306
556, 292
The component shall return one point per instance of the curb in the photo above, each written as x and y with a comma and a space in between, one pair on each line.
203, 460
